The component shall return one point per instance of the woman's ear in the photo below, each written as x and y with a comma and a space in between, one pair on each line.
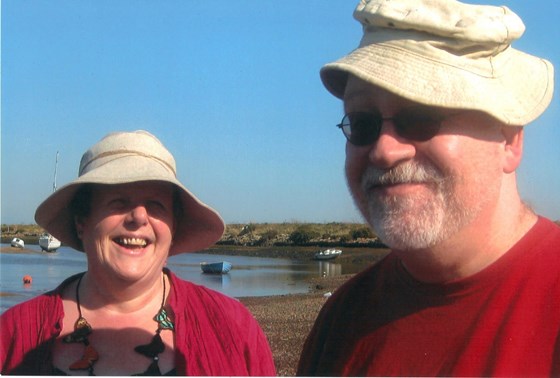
513, 147
79, 225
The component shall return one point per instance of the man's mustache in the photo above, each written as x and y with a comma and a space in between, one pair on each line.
409, 172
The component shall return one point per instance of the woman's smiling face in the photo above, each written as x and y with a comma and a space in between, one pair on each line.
129, 229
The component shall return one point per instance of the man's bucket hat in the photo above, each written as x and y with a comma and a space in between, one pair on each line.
127, 157
447, 54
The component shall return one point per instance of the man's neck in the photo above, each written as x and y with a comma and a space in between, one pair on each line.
472, 249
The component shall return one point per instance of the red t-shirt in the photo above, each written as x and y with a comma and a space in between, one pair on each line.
214, 334
502, 321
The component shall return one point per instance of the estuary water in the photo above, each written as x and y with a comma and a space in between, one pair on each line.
250, 276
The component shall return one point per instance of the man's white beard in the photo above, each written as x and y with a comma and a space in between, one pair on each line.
417, 220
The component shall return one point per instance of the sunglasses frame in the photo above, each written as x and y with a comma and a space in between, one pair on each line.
417, 124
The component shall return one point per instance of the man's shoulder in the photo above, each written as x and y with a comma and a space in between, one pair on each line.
367, 281
545, 234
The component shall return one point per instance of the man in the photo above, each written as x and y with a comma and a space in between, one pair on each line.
435, 100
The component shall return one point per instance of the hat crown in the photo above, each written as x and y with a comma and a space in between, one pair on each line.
118, 145
463, 23
447, 54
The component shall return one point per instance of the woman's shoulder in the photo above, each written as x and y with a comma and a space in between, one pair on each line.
34, 319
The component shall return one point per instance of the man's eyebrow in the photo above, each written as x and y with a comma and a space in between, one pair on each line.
357, 93
358, 98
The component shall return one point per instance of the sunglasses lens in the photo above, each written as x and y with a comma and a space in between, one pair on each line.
415, 124
418, 125
361, 129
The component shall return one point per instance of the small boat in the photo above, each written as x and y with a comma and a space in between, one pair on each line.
327, 254
17, 243
221, 267
49, 243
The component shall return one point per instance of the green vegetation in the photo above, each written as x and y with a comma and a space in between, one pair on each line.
21, 229
255, 234
28, 232
300, 234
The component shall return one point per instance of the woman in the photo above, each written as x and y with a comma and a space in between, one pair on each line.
127, 314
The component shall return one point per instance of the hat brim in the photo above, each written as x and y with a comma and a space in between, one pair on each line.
515, 95
199, 228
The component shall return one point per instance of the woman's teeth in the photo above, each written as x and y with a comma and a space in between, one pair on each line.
132, 242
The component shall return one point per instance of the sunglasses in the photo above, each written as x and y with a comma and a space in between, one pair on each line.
416, 124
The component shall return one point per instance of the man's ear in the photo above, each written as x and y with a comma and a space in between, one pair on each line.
513, 147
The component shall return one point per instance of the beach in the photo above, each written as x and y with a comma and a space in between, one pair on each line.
287, 319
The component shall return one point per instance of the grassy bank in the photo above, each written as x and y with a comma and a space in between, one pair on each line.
256, 234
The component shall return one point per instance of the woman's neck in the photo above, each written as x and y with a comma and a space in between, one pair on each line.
116, 295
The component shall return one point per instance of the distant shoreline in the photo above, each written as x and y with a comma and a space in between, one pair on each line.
353, 255
294, 234
8, 249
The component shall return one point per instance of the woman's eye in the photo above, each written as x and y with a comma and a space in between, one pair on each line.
156, 206
117, 203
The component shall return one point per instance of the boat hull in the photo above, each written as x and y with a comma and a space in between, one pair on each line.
17, 243
49, 243
222, 267
328, 254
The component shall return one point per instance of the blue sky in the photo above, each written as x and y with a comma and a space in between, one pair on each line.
230, 87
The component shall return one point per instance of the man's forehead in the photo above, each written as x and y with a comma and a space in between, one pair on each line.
359, 95
359, 92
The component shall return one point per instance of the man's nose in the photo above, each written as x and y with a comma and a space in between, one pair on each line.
390, 149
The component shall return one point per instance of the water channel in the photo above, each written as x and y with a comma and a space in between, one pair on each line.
250, 276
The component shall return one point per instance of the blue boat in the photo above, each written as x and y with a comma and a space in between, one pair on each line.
221, 267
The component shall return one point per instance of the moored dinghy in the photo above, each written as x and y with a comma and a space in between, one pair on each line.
17, 243
327, 254
221, 267
49, 243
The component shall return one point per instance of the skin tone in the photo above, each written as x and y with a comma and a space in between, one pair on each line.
460, 216
127, 237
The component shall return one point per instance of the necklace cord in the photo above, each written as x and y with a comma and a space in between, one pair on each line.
152, 350
78, 295
163, 298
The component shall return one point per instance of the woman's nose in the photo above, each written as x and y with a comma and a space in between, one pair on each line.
138, 215
390, 149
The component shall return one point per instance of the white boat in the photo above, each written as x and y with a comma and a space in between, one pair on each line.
221, 267
17, 243
49, 243
327, 254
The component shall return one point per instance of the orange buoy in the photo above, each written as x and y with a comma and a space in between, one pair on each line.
27, 279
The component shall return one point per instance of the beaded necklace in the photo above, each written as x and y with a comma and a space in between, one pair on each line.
82, 329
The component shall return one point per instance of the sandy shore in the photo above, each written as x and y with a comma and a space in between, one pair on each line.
8, 249
287, 319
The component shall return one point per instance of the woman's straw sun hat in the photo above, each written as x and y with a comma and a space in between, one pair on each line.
447, 54
127, 157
